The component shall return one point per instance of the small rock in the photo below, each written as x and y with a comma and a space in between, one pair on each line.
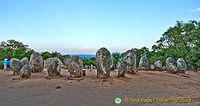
58, 87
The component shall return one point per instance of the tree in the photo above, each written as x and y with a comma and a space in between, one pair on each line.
116, 57
14, 49
180, 41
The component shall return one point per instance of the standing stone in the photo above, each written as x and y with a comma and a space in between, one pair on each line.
164, 68
67, 60
25, 61
36, 62
15, 65
152, 67
181, 65
130, 57
158, 65
122, 68
144, 63
103, 63
76, 67
171, 65
53, 66
25, 72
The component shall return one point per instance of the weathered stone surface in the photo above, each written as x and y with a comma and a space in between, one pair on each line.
181, 65
53, 66
76, 67
103, 63
130, 57
164, 68
36, 62
171, 65
25, 72
122, 68
25, 61
144, 63
15, 65
152, 67
158, 65
67, 60
128, 64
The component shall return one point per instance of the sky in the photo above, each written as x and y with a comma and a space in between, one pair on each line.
84, 26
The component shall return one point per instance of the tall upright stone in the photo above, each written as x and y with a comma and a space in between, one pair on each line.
67, 60
36, 62
15, 65
122, 68
53, 66
181, 65
144, 63
76, 67
25, 61
103, 63
171, 65
130, 57
158, 65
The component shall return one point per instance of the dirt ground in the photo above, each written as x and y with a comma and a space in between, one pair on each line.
90, 91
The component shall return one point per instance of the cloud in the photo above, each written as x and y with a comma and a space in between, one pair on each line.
194, 10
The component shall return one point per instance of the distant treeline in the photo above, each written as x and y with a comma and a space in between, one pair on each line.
180, 41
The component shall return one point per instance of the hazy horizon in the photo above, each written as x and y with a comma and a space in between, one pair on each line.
82, 27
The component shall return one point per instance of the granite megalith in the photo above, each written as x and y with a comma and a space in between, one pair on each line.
36, 62
103, 63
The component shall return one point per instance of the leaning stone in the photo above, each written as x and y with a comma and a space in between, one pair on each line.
103, 63
25, 71
53, 66
171, 65
158, 65
76, 67
144, 63
36, 62
25, 61
181, 65
15, 65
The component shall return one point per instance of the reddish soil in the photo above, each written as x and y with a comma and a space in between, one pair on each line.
58, 91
